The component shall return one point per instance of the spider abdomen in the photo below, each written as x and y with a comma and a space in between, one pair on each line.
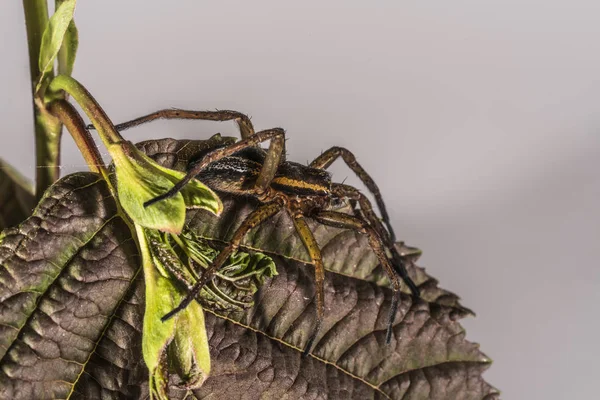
237, 174
297, 179
233, 174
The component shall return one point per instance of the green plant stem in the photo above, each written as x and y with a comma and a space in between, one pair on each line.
90, 106
71, 119
36, 20
47, 129
104, 126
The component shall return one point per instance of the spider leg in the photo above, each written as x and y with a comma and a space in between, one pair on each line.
269, 168
314, 252
328, 157
346, 191
255, 218
345, 221
246, 127
341, 190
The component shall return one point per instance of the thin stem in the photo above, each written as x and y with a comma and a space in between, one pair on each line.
47, 129
36, 20
67, 114
90, 106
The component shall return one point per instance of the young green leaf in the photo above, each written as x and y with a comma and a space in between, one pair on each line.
140, 179
195, 193
68, 50
53, 36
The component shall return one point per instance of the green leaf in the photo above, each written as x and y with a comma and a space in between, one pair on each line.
71, 310
53, 36
140, 179
195, 193
68, 50
16, 196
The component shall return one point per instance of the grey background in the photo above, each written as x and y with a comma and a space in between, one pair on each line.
480, 120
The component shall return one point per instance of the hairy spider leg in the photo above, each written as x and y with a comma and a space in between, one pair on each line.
314, 252
342, 190
269, 168
346, 191
345, 221
325, 160
255, 218
246, 127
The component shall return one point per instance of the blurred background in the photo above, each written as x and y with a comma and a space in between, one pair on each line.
480, 121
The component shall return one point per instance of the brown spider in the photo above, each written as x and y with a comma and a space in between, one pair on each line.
243, 168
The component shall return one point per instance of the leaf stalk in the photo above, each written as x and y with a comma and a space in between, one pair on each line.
90, 106
68, 116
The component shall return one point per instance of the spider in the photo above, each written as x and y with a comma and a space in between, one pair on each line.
244, 168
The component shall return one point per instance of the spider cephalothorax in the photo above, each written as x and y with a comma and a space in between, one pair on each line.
242, 168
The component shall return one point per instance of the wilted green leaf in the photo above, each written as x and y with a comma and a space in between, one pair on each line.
234, 284
16, 196
84, 334
53, 36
